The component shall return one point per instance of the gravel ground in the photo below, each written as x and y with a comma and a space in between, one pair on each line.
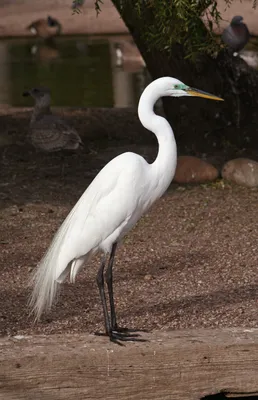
191, 262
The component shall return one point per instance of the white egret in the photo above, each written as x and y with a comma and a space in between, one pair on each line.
112, 204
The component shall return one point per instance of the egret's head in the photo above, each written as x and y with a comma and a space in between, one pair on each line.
175, 88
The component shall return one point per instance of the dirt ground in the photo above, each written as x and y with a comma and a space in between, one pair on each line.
190, 262
107, 22
85, 23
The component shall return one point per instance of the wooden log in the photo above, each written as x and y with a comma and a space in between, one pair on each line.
171, 365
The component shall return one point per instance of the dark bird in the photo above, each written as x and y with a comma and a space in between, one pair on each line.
49, 132
45, 28
236, 35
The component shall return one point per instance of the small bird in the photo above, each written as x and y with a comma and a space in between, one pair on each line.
49, 132
236, 35
45, 28
109, 208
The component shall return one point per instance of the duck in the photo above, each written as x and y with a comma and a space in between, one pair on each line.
45, 28
49, 132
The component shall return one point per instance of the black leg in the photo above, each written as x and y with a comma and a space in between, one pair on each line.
100, 283
116, 331
109, 282
114, 336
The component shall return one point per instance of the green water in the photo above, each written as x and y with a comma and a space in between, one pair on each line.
77, 71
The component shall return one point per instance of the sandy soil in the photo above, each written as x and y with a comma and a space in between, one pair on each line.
191, 261
108, 21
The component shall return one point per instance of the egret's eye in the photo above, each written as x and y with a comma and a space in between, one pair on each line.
179, 86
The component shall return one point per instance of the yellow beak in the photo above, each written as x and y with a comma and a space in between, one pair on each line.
200, 93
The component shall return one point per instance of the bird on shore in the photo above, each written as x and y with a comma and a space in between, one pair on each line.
45, 28
236, 35
48, 132
109, 208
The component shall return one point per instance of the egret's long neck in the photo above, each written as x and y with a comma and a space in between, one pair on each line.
163, 168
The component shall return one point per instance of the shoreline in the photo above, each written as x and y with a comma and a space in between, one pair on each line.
87, 23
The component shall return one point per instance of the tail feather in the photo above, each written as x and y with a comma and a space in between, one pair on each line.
77, 265
79, 237
45, 281
53, 268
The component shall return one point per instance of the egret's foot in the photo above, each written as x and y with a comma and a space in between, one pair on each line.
116, 337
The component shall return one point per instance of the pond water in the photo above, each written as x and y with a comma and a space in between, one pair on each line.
80, 71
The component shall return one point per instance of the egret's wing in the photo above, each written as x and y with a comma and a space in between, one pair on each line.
106, 204
102, 209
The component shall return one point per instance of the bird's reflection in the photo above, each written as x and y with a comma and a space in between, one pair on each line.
128, 56
45, 52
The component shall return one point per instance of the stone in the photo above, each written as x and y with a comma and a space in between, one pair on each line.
194, 170
148, 277
241, 171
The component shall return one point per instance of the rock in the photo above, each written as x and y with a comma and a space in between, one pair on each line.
194, 170
242, 171
148, 277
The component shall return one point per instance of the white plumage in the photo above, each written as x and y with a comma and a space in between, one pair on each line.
112, 204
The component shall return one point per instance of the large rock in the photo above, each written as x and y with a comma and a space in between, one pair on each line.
194, 170
241, 171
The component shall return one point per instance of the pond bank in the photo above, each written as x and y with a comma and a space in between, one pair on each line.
119, 129
86, 23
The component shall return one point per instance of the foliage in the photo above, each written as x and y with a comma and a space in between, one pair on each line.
76, 6
176, 21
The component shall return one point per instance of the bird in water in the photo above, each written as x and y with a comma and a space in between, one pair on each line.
49, 132
109, 208
45, 28
236, 35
